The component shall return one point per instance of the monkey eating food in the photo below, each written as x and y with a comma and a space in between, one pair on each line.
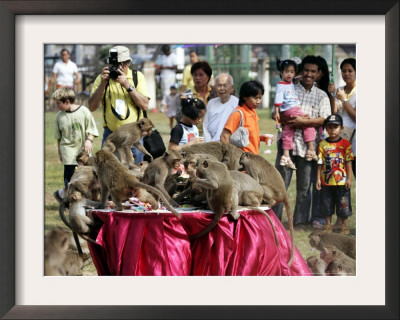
116, 180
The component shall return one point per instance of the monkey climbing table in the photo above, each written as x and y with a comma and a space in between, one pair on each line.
157, 243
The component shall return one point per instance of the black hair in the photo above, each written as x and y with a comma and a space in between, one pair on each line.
203, 65
165, 48
283, 64
64, 49
250, 89
309, 60
350, 61
191, 107
195, 51
323, 82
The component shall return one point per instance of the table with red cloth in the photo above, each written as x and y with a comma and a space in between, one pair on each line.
157, 244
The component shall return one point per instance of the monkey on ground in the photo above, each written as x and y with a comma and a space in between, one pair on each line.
272, 183
74, 262
337, 268
196, 192
317, 265
126, 136
161, 170
116, 180
320, 239
56, 243
83, 191
224, 152
332, 254
226, 190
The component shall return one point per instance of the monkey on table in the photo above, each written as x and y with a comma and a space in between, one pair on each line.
331, 254
126, 136
224, 152
116, 180
161, 170
195, 191
226, 191
271, 181
320, 239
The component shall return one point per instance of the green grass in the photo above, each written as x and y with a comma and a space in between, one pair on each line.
54, 173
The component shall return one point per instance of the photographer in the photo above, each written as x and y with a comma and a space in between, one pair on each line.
122, 101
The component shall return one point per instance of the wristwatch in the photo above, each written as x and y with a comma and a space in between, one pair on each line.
345, 100
130, 88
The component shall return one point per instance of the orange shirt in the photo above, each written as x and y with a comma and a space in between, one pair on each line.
250, 122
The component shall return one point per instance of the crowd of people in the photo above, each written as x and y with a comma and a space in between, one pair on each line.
317, 139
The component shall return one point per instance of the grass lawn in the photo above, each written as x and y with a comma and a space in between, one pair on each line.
54, 173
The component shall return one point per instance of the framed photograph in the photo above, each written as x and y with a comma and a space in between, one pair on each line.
27, 25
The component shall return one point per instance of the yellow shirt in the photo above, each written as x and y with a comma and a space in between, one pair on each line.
115, 91
187, 79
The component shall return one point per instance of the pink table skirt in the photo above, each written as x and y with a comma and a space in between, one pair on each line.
152, 244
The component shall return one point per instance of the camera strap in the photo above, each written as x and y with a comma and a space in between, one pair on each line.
135, 82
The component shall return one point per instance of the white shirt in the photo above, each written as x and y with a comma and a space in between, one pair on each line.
347, 120
216, 116
65, 73
168, 61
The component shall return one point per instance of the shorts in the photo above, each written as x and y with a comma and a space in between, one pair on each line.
335, 197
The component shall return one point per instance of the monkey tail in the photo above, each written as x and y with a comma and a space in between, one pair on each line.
64, 219
206, 230
290, 223
160, 194
270, 221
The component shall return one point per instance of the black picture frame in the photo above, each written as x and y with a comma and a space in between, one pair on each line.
8, 11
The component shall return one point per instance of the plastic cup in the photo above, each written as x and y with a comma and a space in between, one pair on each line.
268, 139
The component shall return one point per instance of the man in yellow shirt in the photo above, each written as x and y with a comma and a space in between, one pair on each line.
187, 80
123, 102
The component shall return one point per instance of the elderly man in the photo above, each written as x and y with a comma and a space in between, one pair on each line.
219, 108
123, 99
315, 106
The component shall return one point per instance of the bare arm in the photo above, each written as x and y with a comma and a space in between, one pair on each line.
140, 100
318, 184
225, 135
77, 78
58, 148
346, 105
349, 170
305, 121
95, 98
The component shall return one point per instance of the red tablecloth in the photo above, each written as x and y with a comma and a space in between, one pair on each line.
158, 244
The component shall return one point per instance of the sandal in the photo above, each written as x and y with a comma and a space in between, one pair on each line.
290, 164
328, 228
311, 155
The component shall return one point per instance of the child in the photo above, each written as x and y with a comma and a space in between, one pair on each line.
186, 131
74, 130
170, 105
334, 174
287, 102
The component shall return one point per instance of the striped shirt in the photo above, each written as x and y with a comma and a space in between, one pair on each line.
314, 102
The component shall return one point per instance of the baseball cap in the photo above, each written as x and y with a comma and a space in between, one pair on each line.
123, 53
334, 118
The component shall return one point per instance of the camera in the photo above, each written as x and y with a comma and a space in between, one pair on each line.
113, 61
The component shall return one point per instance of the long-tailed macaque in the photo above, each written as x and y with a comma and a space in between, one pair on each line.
116, 180
126, 136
